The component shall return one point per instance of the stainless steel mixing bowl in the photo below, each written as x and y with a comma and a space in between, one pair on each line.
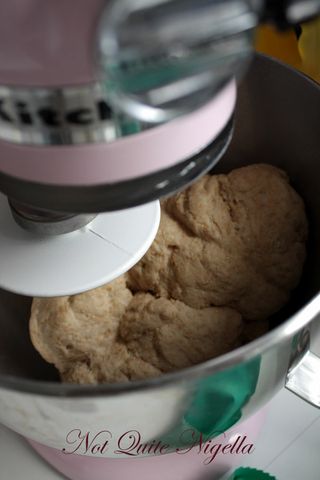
277, 122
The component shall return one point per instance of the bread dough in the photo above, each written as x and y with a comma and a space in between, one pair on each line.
73, 331
229, 250
79, 335
171, 335
235, 240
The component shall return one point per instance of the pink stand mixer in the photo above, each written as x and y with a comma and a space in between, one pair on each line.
104, 109
67, 155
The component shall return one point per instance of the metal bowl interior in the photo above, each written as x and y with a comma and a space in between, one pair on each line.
277, 122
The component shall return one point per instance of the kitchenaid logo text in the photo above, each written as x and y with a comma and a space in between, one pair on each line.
23, 114
130, 444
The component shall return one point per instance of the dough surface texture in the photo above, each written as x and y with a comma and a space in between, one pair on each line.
229, 251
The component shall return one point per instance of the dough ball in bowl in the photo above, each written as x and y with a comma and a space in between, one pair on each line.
235, 240
142, 337
229, 251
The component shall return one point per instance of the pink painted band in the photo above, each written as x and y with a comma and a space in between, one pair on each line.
124, 159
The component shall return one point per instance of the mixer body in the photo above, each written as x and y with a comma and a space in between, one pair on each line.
93, 102
69, 149
66, 144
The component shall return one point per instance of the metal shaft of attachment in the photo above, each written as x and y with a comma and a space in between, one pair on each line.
46, 222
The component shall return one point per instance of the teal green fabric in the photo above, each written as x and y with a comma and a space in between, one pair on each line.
219, 400
215, 406
250, 474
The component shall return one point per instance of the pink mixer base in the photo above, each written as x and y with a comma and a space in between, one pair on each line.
188, 466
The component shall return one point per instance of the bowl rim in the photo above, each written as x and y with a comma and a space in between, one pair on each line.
245, 353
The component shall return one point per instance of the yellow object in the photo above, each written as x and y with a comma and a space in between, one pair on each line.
309, 47
303, 54
282, 45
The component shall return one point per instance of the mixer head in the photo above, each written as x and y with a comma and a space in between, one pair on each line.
102, 114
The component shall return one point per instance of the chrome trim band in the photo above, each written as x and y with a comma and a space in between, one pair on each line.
48, 222
61, 116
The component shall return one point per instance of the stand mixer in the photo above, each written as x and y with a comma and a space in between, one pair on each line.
107, 108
